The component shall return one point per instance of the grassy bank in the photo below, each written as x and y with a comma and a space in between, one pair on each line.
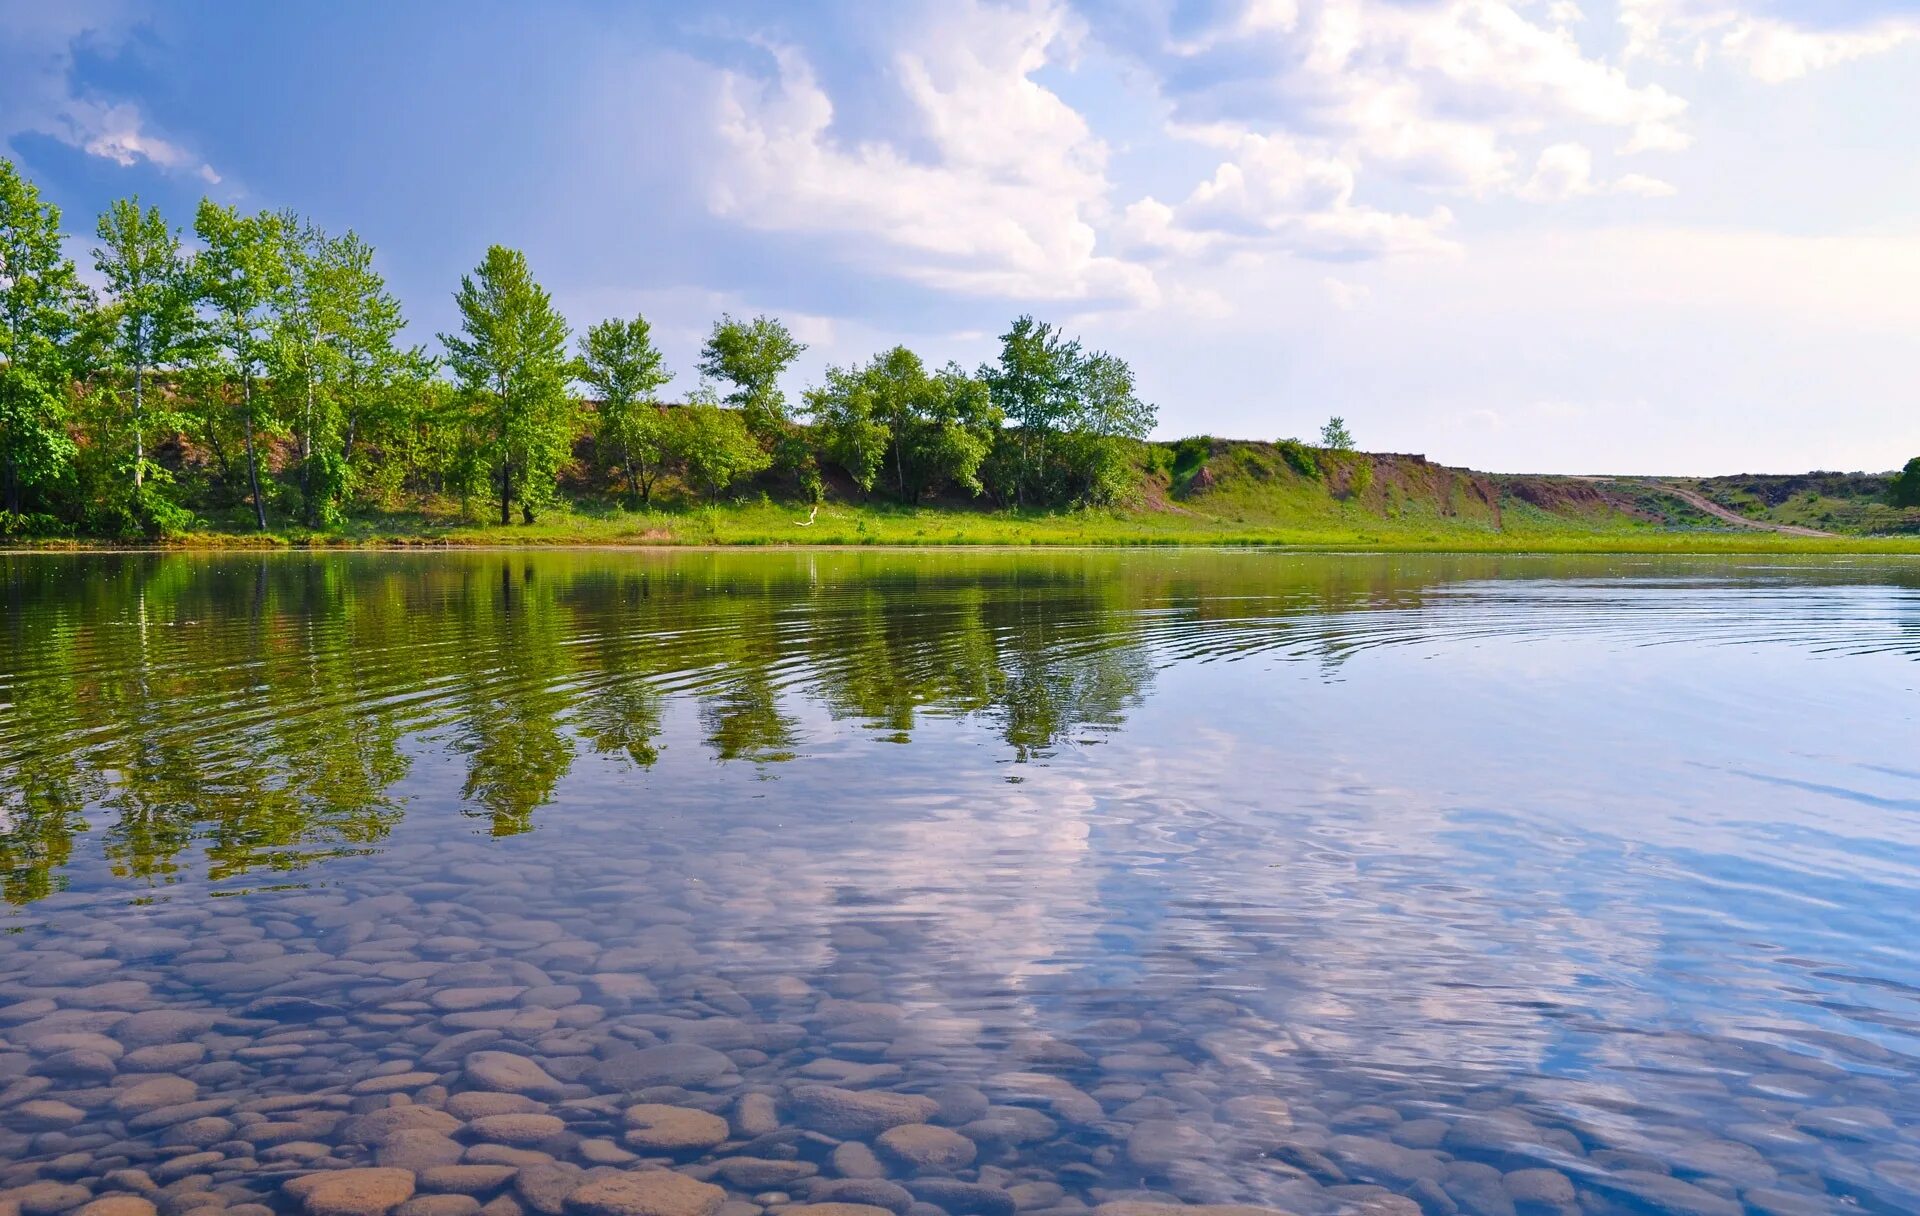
1196, 492
842, 523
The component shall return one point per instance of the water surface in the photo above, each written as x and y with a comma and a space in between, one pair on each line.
1385, 884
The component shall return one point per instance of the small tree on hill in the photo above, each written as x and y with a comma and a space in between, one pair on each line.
752, 356
619, 361
1335, 436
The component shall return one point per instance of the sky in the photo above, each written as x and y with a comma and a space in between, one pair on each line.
1629, 236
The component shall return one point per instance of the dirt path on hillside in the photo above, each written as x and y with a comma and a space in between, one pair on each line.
1699, 501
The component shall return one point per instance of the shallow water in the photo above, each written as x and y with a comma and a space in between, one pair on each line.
1383, 884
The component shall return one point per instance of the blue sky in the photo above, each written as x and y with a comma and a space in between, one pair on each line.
1554, 235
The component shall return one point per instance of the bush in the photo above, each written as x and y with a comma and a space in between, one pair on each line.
1301, 458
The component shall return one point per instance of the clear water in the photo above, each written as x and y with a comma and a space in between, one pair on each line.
1345, 883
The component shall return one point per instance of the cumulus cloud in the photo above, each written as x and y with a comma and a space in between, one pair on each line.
38, 97
1784, 43
1565, 171
998, 186
1315, 103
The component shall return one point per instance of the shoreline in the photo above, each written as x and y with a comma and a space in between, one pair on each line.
1677, 544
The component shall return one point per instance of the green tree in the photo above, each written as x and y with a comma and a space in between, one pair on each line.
41, 302
300, 359
715, 447
847, 415
513, 370
1335, 437
752, 356
150, 312
1906, 487
241, 277
1033, 385
619, 361
1108, 418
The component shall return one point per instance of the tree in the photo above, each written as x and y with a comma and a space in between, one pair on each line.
619, 361
1033, 385
41, 301
150, 309
241, 277
1107, 416
714, 446
1335, 437
1906, 487
513, 370
752, 356
847, 414
928, 430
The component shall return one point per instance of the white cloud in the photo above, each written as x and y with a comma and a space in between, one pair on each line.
1274, 194
1770, 47
37, 94
1565, 171
1001, 191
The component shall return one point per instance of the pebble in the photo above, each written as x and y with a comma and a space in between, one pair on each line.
646, 1193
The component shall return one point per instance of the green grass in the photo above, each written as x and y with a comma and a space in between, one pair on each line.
1231, 519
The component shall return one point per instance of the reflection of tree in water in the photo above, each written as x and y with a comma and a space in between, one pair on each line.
259, 708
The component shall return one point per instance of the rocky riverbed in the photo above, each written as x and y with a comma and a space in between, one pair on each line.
452, 1031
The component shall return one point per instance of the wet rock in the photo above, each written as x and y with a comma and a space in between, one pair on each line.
755, 1115
602, 1152
1154, 1144
1478, 1188
1384, 1161
544, 1188
46, 1198
154, 1093
375, 1126
874, 1192
686, 1064
505, 1072
1539, 1190
924, 1146
1770, 1202
760, 1174
45, 1115
78, 1066
645, 1193
466, 1179
1845, 1122
654, 1127
1665, 1194
857, 1114
963, 1198
834, 1209
439, 1205
416, 1149
291, 1009
154, 1027
352, 1192
199, 1133
476, 1104
855, 1160
519, 1131
118, 1205
393, 1083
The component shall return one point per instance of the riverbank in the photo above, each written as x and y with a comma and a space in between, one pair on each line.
786, 524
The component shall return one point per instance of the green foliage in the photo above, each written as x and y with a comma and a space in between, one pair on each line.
623, 367
1905, 491
925, 431
512, 365
1075, 416
1335, 437
752, 356
149, 316
715, 447
41, 304
1301, 458
241, 278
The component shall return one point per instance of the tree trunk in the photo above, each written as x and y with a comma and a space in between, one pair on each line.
899, 467
526, 512
13, 485
506, 492
139, 429
306, 455
253, 455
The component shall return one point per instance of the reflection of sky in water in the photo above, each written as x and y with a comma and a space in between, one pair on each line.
1614, 842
